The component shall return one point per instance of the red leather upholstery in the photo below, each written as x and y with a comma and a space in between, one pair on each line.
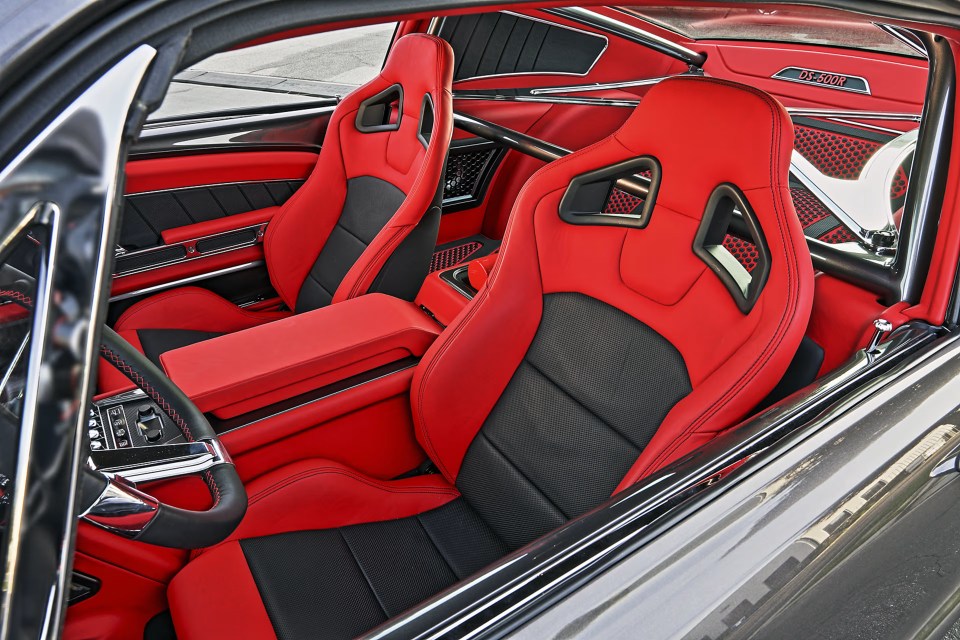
245, 371
733, 358
423, 66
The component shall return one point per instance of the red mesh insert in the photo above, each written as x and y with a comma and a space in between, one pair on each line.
454, 255
838, 235
899, 187
744, 251
834, 154
621, 203
809, 209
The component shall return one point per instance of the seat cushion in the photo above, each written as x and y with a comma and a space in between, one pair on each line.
330, 581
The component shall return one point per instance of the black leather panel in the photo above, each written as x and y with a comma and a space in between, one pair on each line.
591, 392
339, 583
369, 205
500, 43
146, 215
158, 341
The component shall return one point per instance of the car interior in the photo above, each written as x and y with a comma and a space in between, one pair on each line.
540, 256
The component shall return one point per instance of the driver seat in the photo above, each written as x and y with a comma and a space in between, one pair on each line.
602, 348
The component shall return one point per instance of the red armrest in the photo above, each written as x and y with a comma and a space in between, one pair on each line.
218, 225
250, 369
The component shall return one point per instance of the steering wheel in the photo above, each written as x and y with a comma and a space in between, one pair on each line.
119, 507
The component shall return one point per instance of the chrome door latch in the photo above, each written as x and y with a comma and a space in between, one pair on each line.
881, 329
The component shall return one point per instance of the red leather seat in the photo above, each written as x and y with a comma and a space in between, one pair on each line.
365, 220
602, 348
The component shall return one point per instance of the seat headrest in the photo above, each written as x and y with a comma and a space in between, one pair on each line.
705, 132
420, 63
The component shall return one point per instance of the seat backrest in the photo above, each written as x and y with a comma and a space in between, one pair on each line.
605, 346
367, 217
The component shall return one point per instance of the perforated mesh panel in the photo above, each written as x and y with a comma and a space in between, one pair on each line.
835, 155
464, 171
447, 258
899, 188
744, 251
838, 235
809, 209
621, 203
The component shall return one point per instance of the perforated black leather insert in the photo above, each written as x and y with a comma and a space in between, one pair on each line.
589, 395
369, 205
339, 583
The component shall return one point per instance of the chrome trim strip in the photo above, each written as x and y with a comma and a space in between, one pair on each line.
905, 36
190, 251
595, 102
211, 185
852, 113
177, 283
579, 88
599, 36
122, 509
812, 83
212, 124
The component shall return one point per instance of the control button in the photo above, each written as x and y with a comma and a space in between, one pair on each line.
95, 445
94, 434
149, 423
92, 424
123, 443
120, 433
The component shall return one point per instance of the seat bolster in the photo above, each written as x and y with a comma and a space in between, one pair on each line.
205, 596
323, 494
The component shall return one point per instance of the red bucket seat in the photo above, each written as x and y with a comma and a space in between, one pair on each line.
602, 348
365, 220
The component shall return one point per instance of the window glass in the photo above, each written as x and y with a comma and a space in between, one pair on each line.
290, 71
820, 27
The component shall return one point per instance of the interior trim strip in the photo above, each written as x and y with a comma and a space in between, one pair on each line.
177, 283
223, 426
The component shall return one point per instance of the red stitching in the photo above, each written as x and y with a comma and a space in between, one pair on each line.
15, 296
141, 382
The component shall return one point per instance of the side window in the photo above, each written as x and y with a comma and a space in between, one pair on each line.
503, 43
290, 71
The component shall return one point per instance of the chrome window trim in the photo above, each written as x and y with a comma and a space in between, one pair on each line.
600, 36
101, 111
188, 280
210, 185
600, 86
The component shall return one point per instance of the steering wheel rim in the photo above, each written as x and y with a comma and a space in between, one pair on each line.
124, 510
